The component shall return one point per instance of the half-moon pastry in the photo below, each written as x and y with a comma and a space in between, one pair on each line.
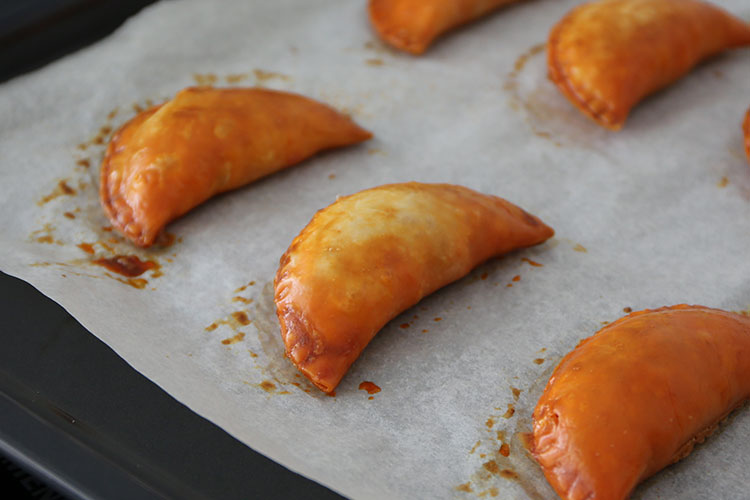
171, 158
637, 396
412, 25
746, 130
605, 56
369, 256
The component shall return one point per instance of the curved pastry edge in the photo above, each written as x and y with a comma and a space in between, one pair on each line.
686, 448
122, 220
293, 323
394, 37
577, 93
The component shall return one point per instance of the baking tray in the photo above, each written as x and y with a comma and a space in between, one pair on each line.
74, 413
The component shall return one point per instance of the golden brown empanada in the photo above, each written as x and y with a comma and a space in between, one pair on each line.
170, 158
637, 396
369, 256
412, 25
605, 56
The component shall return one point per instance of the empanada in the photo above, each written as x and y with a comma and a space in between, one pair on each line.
412, 25
170, 158
605, 56
369, 256
637, 396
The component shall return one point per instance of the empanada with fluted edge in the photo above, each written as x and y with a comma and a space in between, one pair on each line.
412, 25
371, 255
607, 55
637, 396
170, 158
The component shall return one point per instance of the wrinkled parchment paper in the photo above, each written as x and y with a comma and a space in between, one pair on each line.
654, 215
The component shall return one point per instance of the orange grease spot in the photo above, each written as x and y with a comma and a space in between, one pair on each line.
267, 386
86, 247
466, 487
234, 340
491, 467
516, 392
241, 317
508, 474
370, 387
127, 265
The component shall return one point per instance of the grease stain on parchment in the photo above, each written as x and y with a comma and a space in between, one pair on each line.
234, 320
547, 113
487, 272
70, 215
62, 189
261, 334
276, 366
268, 387
259, 77
502, 454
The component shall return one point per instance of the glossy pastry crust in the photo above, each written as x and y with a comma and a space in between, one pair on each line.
369, 256
637, 396
170, 158
605, 56
412, 25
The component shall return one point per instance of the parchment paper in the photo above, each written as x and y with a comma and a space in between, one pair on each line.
654, 215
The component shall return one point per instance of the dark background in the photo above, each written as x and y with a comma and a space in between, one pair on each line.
75, 420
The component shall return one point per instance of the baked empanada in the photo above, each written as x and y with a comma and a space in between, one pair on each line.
637, 396
369, 256
607, 55
170, 158
412, 25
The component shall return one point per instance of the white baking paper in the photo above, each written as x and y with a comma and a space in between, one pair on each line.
654, 215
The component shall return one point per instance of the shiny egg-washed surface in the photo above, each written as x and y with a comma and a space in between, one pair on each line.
637, 396
605, 56
412, 25
369, 256
171, 158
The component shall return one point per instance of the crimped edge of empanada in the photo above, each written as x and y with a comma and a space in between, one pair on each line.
687, 447
399, 37
576, 92
293, 323
121, 215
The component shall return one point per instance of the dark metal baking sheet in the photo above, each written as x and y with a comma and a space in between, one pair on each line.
77, 415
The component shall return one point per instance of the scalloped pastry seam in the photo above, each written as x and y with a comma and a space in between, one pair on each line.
687, 447
576, 91
123, 220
